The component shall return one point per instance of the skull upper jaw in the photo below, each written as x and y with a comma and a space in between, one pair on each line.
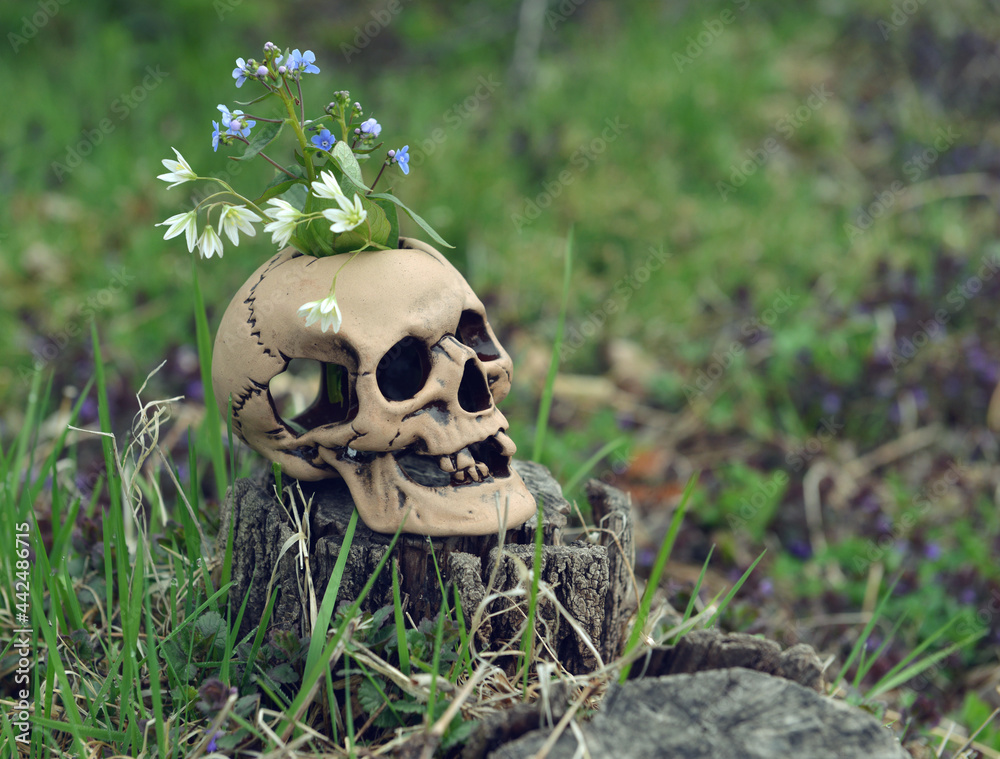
386, 495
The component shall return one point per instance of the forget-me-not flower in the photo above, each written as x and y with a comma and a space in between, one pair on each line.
302, 62
241, 72
324, 140
371, 126
236, 122
402, 157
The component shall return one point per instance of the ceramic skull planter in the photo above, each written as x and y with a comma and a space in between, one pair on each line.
413, 428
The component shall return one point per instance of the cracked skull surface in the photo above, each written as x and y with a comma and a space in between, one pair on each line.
406, 412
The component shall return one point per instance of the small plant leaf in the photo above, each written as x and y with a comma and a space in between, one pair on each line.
281, 184
264, 136
344, 158
413, 215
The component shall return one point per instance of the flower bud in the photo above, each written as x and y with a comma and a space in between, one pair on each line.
262, 71
391, 154
282, 70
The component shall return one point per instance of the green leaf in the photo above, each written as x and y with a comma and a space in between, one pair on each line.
380, 225
389, 209
423, 224
284, 673
348, 164
263, 137
210, 624
281, 184
297, 195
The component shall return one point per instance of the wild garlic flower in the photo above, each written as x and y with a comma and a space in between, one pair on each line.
179, 171
286, 217
326, 311
236, 219
182, 222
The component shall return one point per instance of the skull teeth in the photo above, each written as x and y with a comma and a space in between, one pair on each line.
507, 447
464, 460
464, 466
475, 473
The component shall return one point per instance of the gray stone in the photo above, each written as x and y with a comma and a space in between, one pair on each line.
719, 714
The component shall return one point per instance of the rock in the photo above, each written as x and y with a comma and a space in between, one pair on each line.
719, 714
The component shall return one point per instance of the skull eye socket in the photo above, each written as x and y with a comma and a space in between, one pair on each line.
471, 331
327, 386
403, 370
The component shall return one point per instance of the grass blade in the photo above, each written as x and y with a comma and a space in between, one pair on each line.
326, 607
735, 589
545, 406
606, 450
397, 607
211, 425
654, 577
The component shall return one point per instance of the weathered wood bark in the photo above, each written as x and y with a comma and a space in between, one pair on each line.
592, 581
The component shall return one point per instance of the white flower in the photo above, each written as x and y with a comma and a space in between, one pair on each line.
329, 188
236, 219
326, 310
182, 222
286, 218
347, 217
180, 170
209, 243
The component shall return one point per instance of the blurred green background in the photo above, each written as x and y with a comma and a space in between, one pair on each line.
785, 219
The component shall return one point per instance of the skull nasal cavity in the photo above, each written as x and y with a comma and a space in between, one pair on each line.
403, 370
473, 394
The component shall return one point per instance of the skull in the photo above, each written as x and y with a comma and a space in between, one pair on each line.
413, 429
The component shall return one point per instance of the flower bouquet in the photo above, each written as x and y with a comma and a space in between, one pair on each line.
320, 204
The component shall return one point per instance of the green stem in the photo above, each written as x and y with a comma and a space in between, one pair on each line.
279, 167
229, 191
299, 132
261, 118
384, 164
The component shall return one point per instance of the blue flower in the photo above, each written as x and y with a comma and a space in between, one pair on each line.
303, 62
324, 140
371, 127
215, 136
241, 72
212, 746
236, 123
402, 157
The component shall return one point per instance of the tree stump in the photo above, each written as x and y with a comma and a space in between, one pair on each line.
591, 579
720, 713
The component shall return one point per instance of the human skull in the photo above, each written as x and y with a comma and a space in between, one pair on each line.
415, 431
